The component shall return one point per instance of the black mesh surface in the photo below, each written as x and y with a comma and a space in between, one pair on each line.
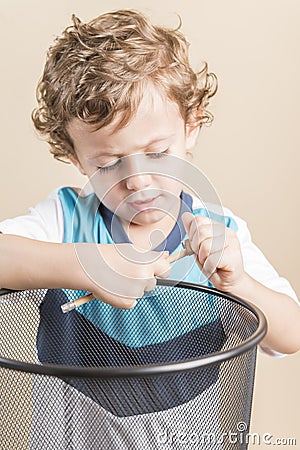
176, 372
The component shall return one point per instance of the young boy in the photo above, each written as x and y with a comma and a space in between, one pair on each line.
119, 99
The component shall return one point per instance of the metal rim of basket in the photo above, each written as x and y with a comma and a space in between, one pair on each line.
151, 370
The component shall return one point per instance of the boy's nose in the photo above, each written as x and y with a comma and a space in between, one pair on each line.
138, 182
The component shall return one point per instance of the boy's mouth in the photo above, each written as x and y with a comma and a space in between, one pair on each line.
141, 205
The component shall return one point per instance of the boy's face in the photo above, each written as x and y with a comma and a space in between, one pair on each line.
156, 131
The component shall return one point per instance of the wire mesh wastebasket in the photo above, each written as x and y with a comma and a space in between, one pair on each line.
175, 372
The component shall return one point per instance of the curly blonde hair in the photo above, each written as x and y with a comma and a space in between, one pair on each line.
97, 69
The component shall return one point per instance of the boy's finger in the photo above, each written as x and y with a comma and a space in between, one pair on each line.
151, 283
162, 267
116, 301
211, 263
187, 219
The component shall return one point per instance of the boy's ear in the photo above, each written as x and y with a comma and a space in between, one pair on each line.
76, 163
191, 134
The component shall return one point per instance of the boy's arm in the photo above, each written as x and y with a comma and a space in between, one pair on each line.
281, 311
99, 268
224, 266
33, 264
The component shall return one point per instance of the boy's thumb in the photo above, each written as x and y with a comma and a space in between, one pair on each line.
187, 219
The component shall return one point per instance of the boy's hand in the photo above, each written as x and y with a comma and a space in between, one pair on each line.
118, 274
217, 250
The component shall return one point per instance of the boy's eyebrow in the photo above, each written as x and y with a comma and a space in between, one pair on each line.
157, 139
152, 141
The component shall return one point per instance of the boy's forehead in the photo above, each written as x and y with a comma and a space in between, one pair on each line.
156, 118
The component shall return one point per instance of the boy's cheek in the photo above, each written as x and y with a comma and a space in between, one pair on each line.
77, 164
105, 189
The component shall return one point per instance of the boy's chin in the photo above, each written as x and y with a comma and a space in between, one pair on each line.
148, 217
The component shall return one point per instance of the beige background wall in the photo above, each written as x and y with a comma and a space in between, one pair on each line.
251, 153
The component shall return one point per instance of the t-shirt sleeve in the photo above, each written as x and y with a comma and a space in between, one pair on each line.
43, 222
259, 268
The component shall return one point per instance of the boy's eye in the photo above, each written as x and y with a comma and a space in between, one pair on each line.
110, 166
113, 165
157, 155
